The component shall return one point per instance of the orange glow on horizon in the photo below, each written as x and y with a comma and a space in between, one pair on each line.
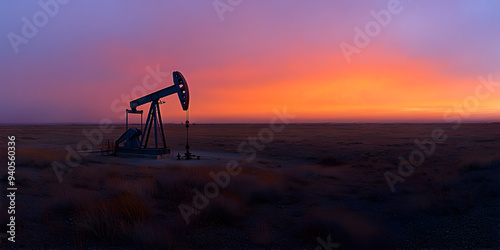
398, 89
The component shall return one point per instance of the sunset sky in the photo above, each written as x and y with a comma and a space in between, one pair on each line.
88, 59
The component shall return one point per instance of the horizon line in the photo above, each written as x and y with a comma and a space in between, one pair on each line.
250, 123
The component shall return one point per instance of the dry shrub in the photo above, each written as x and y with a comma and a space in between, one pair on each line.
112, 219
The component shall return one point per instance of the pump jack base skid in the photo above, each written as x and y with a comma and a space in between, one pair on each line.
159, 153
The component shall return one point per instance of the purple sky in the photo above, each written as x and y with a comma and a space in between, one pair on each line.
91, 53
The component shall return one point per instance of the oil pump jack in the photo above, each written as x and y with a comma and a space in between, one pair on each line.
136, 141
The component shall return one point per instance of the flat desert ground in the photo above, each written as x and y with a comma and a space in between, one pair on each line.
309, 186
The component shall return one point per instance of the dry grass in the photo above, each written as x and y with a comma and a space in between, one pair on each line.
138, 196
64, 201
226, 209
481, 165
477, 181
38, 158
312, 181
113, 219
